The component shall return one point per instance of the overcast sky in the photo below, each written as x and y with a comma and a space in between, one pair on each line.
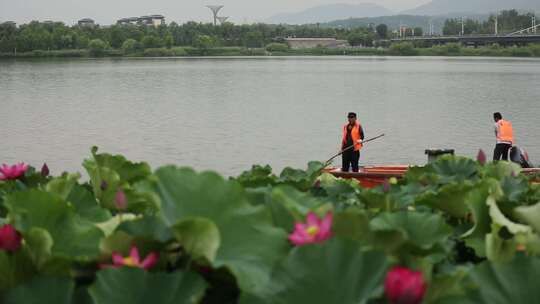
108, 11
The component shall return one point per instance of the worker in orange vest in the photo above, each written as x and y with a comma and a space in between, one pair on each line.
505, 137
353, 134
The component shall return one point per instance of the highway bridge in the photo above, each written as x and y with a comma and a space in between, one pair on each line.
475, 40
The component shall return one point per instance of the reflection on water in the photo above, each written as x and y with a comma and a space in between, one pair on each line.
226, 114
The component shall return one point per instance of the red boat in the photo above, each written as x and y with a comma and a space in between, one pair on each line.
373, 176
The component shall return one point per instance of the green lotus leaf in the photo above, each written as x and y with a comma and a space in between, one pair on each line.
148, 227
42, 290
352, 223
62, 185
476, 201
73, 236
300, 179
86, 205
420, 230
198, 236
502, 283
335, 272
14, 269
454, 169
250, 244
499, 218
529, 215
450, 198
499, 170
258, 176
133, 286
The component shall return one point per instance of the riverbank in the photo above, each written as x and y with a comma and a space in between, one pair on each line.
402, 49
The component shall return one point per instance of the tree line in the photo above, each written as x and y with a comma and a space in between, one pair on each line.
58, 36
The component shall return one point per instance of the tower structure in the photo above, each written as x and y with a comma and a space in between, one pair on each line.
222, 19
215, 10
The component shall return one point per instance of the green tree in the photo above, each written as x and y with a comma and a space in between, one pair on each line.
204, 42
418, 31
151, 41
131, 46
382, 31
253, 39
169, 41
97, 47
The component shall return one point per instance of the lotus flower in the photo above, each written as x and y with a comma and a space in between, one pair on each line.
12, 172
45, 170
10, 239
481, 157
404, 286
133, 260
315, 230
120, 200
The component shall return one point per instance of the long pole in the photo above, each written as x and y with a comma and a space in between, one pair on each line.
462, 27
350, 147
496, 25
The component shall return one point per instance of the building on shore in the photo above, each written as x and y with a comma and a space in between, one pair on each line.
152, 20
306, 43
86, 22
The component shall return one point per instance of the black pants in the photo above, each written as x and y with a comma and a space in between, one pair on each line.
501, 151
350, 159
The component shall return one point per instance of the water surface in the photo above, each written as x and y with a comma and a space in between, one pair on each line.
226, 114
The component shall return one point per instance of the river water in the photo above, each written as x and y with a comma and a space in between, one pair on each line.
226, 114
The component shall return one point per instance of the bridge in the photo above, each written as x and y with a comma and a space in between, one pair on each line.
520, 37
475, 40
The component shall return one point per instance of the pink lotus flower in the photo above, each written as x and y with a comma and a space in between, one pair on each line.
404, 286
133, 260
120, 200
10, 239
315, 230
12, 172
481, 157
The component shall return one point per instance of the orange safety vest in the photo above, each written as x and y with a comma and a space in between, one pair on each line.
355, 134
505, 133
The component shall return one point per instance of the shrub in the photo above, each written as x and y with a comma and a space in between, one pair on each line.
535, 49
131, 46
403, 49
521, 52
277, 47
158, 52
97, 47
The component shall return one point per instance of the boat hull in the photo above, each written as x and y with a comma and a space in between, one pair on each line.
373, 176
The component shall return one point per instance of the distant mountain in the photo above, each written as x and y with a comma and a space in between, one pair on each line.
443, 7
331, 12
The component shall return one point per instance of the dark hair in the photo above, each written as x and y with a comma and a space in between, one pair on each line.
497, 115
351, 114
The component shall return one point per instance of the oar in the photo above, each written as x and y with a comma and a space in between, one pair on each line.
350, 147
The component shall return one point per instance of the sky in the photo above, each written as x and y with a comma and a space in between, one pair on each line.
108, 11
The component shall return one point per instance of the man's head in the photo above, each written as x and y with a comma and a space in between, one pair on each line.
352, 117
497, 116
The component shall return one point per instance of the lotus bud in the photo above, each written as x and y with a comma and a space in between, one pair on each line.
386, 186
403, 285
481, 157
45, 170
120, 200
10, 239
